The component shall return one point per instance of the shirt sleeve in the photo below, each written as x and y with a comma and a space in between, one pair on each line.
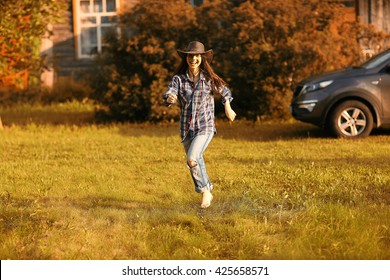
173, 88
226, 94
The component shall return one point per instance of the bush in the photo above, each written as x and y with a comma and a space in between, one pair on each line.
277, 44
64, 90
32, 95
67, 89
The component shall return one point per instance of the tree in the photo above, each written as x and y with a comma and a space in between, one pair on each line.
22, 25
279, 43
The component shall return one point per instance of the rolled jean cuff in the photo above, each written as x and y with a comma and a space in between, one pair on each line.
208, 187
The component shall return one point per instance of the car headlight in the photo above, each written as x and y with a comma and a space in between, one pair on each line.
316, 86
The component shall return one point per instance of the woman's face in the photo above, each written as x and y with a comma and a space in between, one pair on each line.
194, 61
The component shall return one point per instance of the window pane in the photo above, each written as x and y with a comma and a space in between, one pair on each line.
111, 5
107, 32
88, 36
88, 50
197, 2
98, 6
84, 6
349, 3
88, 20
111, 19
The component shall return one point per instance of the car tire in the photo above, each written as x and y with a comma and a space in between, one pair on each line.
351, 119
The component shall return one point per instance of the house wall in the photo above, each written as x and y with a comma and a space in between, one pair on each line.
65, 62
375, 12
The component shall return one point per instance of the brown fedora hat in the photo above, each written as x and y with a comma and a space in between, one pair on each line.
196, 47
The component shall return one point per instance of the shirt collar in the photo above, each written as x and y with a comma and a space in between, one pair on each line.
201, 76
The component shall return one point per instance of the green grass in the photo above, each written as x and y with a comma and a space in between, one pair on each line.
71, 189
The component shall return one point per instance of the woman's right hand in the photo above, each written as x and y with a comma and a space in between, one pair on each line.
229, 111
172, 99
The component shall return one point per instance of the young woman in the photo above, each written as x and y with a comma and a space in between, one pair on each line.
193, 86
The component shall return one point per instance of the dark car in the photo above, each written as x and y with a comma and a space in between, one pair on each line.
348, 102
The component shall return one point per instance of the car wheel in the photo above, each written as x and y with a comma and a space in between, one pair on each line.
351, 119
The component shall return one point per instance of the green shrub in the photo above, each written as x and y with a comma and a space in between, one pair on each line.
67, 89
64, 90
23, 23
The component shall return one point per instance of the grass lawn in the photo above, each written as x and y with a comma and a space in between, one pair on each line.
71, 189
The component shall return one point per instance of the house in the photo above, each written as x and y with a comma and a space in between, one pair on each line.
69, 51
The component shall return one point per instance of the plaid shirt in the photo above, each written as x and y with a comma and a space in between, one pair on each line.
196, 104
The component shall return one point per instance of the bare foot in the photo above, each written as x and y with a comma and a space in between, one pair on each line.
207, 197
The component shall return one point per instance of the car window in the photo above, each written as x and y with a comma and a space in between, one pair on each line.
377, 60
387, 69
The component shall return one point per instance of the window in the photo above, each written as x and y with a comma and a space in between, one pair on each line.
94, 20
348, 3
196, 2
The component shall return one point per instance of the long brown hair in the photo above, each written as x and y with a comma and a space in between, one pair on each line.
207, 70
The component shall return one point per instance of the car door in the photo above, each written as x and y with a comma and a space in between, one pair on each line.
385, 91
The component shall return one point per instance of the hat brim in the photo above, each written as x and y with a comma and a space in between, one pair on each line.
208, 54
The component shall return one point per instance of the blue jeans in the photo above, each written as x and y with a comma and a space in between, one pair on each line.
195, 147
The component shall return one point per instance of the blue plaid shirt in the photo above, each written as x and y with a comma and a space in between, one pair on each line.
196, 104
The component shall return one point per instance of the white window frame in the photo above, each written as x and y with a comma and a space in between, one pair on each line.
80, 22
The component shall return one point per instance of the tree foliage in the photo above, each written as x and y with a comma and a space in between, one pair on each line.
22, 25
281, 42
263, 48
